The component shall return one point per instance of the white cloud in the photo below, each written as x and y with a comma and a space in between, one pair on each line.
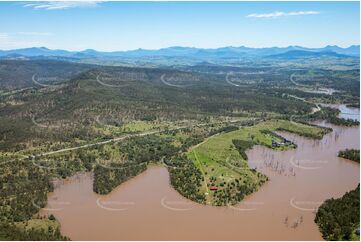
281, 14
62, 5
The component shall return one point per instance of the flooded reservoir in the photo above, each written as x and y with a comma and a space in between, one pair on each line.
345, 112
148, 208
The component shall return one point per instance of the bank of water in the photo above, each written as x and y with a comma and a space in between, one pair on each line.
345, 112
148, 208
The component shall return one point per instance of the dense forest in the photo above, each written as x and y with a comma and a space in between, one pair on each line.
107, 178
14, 233
186, 178
351, 154
23, 191
339, 218
137, 153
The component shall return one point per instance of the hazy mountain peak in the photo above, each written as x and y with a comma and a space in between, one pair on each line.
222, 52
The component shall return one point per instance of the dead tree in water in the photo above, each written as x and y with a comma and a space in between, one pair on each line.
286, 221
295, 224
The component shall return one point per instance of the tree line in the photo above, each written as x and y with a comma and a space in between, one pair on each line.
351, 154
339, 218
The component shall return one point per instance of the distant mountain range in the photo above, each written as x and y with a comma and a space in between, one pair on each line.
225, 52
295, 54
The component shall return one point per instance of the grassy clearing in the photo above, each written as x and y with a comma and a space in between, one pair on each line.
39, 224
224, 167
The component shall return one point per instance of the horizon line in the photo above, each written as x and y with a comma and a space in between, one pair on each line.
178, 46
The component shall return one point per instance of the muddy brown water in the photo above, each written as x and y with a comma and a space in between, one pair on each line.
148, 208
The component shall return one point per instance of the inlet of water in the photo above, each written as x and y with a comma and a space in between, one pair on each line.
148, 208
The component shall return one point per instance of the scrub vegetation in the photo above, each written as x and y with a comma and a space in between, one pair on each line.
198, 119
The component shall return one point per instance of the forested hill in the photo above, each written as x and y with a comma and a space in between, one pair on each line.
41, 95
16, 74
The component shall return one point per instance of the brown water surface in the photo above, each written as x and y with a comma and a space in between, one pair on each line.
147, 208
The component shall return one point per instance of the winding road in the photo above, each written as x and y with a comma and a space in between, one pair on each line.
103, 142
318, 108
126, 137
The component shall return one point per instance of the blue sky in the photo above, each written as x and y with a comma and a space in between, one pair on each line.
109, 26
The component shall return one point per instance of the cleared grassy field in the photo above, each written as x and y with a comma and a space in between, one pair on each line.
226, 172
39, 224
